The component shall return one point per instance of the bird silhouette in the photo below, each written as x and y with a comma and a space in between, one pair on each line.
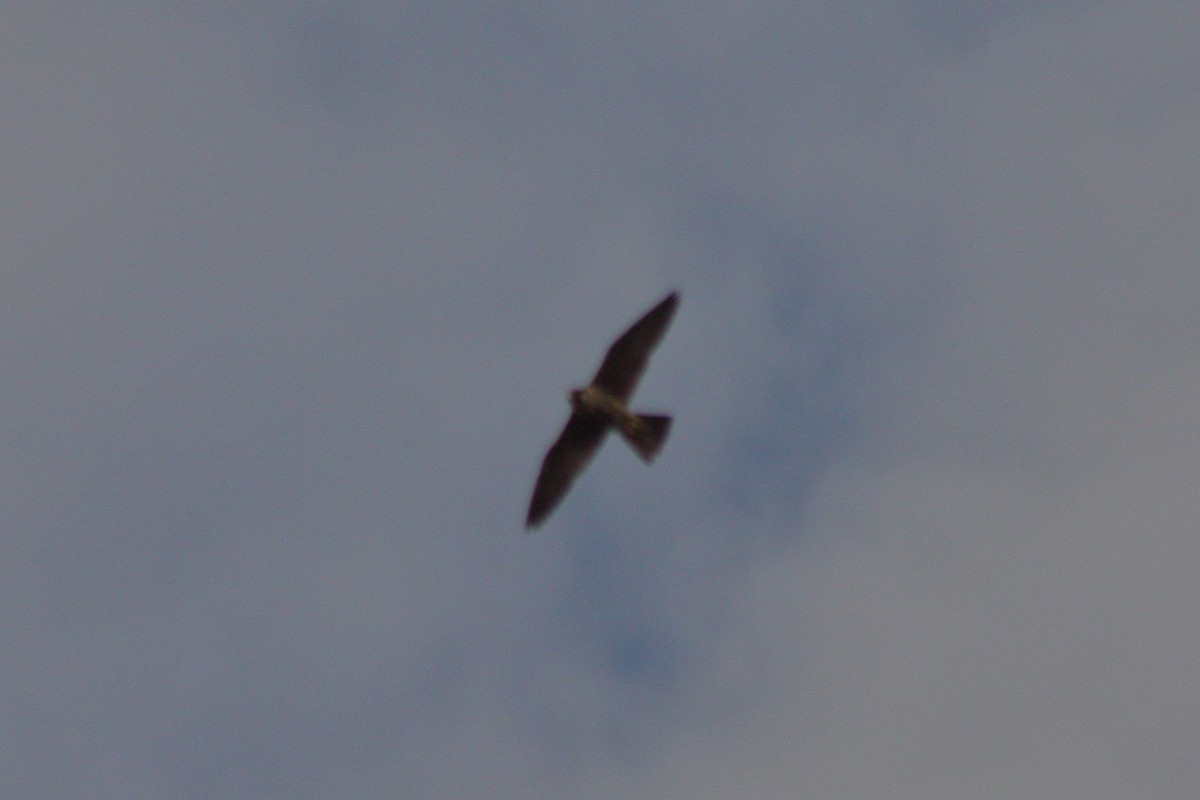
600, 407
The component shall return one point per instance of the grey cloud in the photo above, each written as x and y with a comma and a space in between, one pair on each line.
291, 299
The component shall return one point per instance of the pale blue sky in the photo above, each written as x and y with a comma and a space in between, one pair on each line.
291, 298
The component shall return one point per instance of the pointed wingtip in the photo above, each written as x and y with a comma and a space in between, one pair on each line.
668, 303
669, 299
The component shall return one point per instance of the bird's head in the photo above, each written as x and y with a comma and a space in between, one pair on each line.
575, 397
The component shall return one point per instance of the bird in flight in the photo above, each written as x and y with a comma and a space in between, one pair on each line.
601, 406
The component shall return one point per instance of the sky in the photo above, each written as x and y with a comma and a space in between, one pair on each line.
291, 297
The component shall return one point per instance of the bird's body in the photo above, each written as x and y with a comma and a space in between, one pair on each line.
601, 406
596, 402
645, 433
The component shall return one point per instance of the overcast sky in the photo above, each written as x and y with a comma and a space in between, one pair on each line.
291, 295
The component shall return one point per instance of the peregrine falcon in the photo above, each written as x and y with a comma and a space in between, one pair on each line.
599, 407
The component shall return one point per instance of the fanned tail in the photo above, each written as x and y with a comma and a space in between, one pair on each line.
647, 434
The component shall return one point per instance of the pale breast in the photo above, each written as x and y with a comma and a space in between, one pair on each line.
593, 400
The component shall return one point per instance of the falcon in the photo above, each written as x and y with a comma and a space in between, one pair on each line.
600, 407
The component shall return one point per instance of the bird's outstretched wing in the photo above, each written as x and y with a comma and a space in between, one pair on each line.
566, 458
627, 357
